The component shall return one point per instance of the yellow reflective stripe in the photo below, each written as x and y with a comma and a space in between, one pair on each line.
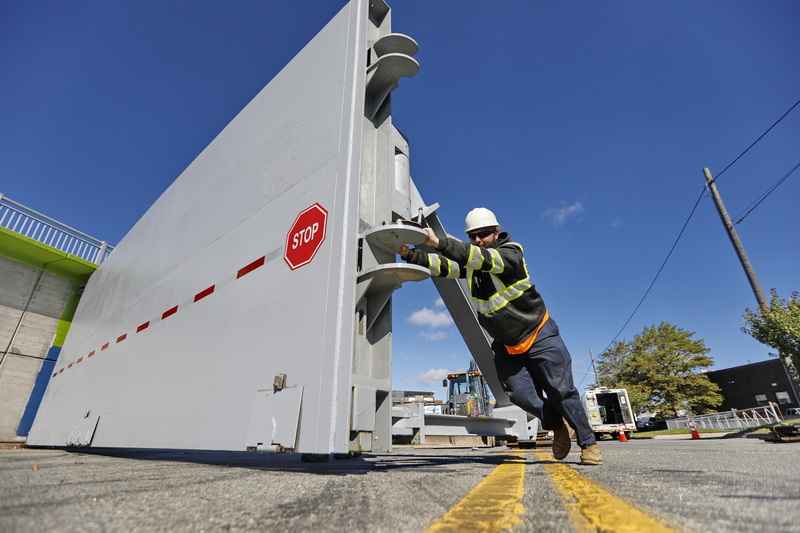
443, 267
501, 299
434, 264
504, 294
498, 265
518, 245
453, 268
475, 258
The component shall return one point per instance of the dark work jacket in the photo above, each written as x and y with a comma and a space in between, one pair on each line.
508, 306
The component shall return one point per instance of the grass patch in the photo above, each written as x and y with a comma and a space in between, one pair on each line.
678, 431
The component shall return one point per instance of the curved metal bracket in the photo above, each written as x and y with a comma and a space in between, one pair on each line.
390, 238
395, 43
390, 60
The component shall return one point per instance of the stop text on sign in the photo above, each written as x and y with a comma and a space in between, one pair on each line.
305, 236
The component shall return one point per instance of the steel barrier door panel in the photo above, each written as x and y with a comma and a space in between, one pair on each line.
243, 270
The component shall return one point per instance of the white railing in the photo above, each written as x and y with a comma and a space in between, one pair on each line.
20, 219
733, 420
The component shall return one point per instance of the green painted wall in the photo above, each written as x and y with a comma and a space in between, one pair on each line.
33, 253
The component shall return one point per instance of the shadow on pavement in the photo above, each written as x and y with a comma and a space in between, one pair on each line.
293, 462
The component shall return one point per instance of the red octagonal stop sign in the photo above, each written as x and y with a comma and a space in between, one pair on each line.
305, 236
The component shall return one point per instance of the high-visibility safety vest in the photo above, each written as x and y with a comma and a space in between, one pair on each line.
503, 294
496, 302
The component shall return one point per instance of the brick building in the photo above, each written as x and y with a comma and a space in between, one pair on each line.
755, 385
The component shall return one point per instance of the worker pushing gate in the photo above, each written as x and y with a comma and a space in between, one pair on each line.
250, 307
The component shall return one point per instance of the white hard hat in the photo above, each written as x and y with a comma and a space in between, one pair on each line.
480, 217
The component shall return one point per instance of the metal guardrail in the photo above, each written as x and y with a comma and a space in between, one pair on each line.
733, 420
25, 221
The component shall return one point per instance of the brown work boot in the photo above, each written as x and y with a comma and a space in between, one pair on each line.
591, 455
561, 442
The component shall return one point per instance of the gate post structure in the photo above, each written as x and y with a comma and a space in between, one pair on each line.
389, 57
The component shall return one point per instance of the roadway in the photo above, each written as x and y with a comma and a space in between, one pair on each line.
707, 484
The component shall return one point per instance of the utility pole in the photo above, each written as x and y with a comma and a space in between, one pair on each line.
794, 376
596, 377
737, 244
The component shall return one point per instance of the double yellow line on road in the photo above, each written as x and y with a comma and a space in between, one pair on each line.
590, 507
494, 504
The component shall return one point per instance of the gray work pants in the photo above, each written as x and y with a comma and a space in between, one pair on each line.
540, 382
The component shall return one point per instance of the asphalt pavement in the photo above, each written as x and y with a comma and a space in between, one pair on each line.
707, 484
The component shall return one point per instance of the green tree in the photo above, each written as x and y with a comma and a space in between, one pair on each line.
660, 368
778, 326
611, 371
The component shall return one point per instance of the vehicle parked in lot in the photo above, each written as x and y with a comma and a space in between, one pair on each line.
793, 412
651, 424
609, 412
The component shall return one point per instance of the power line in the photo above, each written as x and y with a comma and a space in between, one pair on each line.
763, 197
756, 141
691, 214
685, 224
660, 269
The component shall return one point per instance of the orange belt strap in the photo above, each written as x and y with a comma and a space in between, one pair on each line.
525, 345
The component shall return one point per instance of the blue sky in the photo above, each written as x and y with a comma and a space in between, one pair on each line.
585, 126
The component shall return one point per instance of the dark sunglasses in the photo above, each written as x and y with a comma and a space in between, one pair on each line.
480, 234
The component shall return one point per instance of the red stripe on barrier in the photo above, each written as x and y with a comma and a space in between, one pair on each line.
202, 294
169, 312
252, 266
